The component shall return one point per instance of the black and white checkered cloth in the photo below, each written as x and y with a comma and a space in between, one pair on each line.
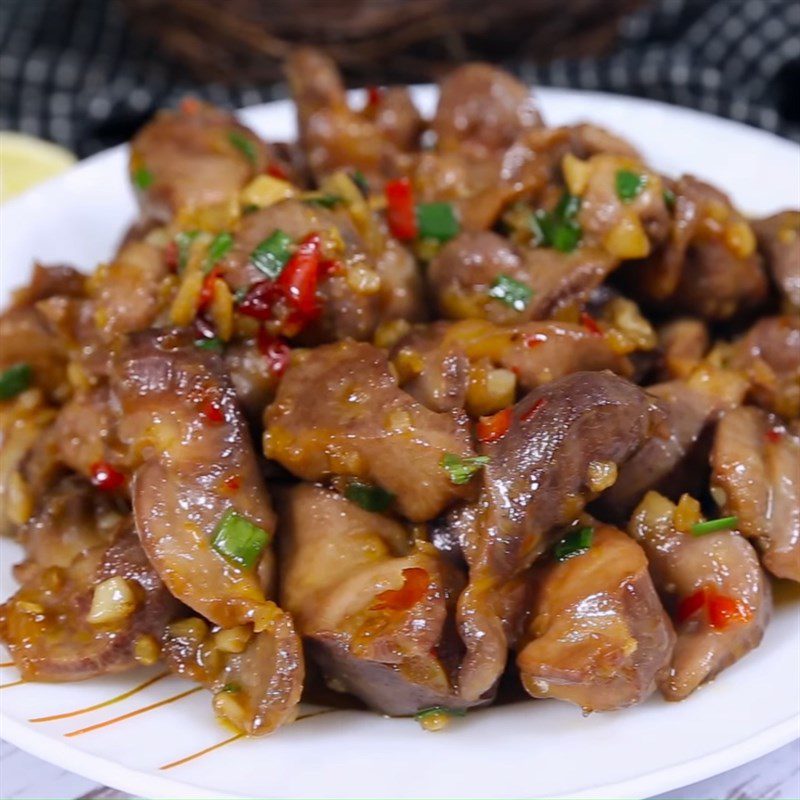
72, 70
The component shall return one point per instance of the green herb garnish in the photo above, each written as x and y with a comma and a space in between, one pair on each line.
629, 184
437, 221
511, 292
143, 178
213, 344
324, 200
219, 247
713, 525
244, 145
15, 380
558, 229
238, 540
461, 469
575, 543
669, 198
360, 180
184, 241
271, 255
369, 497
428, 712
231, 688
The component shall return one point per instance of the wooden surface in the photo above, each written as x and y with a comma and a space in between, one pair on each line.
773, 777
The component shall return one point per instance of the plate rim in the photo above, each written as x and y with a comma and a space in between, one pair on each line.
112, 773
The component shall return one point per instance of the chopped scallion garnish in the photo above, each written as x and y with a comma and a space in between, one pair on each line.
450, 712
573, 544
15, 380
214, 344
360, 180
558, 229
669, 198
143, 178
271, 255
461, 469
244, 145
629, 184
231, 688
238, 540
184, 241
369, 497
219, 247
437, 221
511, 292
714, 525
324, 200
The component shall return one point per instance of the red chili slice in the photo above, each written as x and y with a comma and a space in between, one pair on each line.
374, 96
533, 409
275, 350
415, 584
276, 170
172, 256
105, 477
212, 412
691, 605
589, 322
774, 435
490, 429
207, 292
724, 611
401, 212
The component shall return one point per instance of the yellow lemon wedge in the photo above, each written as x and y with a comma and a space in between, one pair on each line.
26, 161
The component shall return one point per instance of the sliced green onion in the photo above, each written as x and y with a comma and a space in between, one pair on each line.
713, 525
143, 178
629, 184
219, 247
461, 469
669, 198
369, 497
184, 241
566, 236
214, 344
574, 544
324, 200
238, 540
511, 292
250, 208
15, 380
360, 180
244, 145
232, 688
429, 712
568, 207
271, 255
437, 221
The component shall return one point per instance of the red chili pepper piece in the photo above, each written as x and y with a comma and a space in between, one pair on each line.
105, 477
172, 256
415, 583
298, 279
401, 212
535, 339
276, 170
490, 429
258, 301
275, 350
691, 605
533, 409
212, 412
589, 322
724, 611
374, 96
774, 435
207, 292
232, 483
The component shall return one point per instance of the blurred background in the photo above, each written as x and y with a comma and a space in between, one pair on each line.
87, 73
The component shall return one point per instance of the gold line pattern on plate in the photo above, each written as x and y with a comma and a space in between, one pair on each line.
105, 703
230, 739
135, 713
203, 752
5, 664
13, 683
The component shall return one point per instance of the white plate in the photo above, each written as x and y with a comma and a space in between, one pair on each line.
533, 749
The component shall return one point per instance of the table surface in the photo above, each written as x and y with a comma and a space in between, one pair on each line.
774, 777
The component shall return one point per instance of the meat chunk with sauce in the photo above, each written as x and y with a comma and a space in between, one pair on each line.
340, 413
779, 242
90, 603
756, 475
596, 635
467, 364
561, 438
470, 277
709, 267
193, 161
200, 506
374, 607
713, 586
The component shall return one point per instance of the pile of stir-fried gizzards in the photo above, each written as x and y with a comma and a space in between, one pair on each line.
408, 406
